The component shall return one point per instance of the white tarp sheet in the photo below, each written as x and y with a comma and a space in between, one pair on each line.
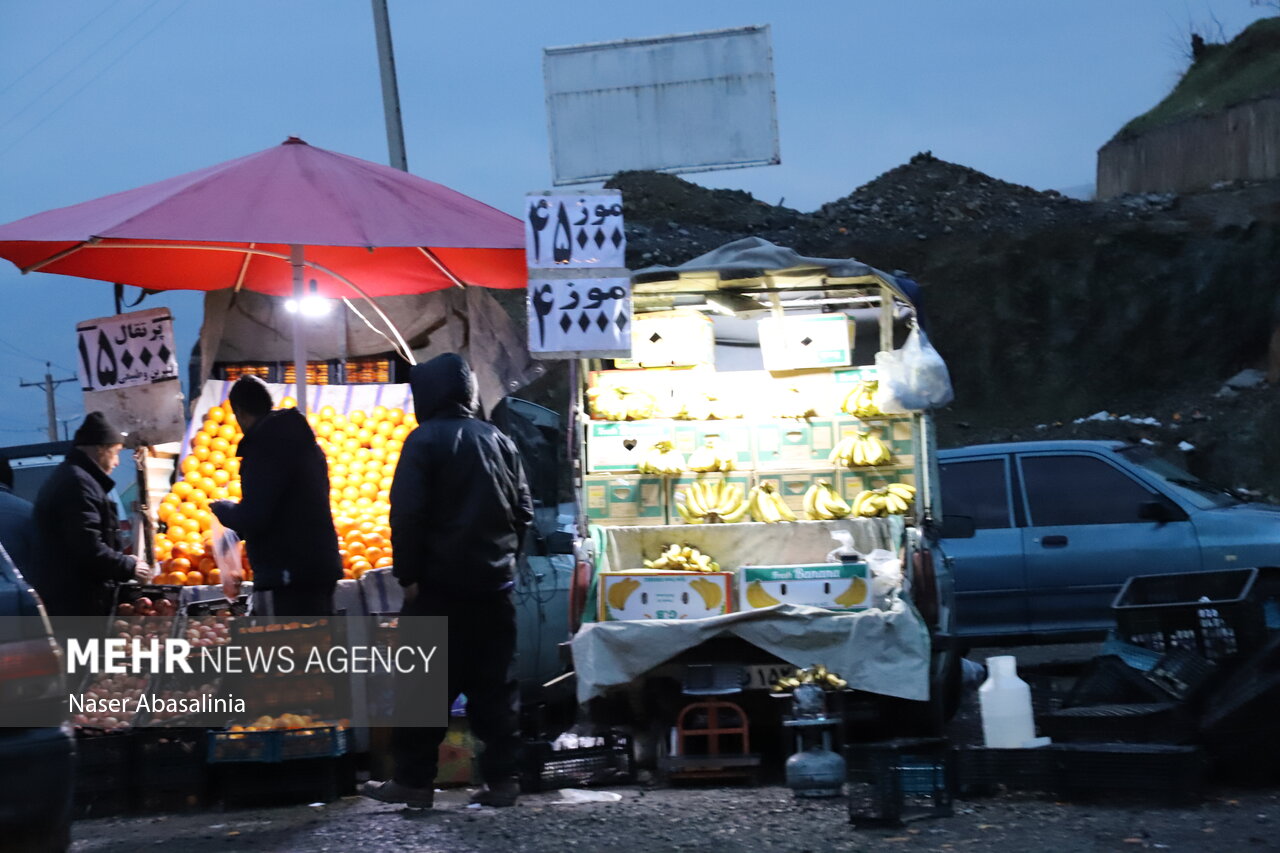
885, 652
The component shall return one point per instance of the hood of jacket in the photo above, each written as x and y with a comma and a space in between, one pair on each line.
444, 387
277, 428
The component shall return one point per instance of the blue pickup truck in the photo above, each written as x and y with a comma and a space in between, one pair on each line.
1039, 536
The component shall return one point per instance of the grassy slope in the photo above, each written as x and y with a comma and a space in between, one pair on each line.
1247, 67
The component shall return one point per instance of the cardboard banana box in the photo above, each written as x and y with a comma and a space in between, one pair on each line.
833, 586
644, 594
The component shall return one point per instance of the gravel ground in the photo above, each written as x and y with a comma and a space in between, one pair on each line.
713, 820
719, 820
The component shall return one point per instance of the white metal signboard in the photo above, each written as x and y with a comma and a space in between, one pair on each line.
679, 103
581, 317
126, 350
574, 232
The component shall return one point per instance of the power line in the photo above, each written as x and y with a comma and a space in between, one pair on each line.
49, 385
94, 78
64, 43
74, 68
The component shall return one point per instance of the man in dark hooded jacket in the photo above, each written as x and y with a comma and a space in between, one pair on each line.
460, 507
284, 515
79, 556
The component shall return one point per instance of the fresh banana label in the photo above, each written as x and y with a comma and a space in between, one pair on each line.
834, 586
663, 595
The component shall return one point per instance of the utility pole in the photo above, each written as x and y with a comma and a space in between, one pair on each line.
390, 90
49, 384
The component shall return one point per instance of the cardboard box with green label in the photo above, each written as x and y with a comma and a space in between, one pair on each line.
834, 586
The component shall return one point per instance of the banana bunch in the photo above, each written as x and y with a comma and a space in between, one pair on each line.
662, 459
861, 449
682, 558
709, 457
706, 501
861, 401
893, 499
757, 597
621, 404
712, 593
823, 503
767, 505
816, 674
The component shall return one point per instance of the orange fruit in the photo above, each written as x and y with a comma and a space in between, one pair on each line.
232, 465
229, 432
189, 508
217, 459
396, 416
209, 428
374, 554
201, 452
164, 511
379, 445
176, 578
327, 412
219, 443
200, 439
206, 564
347, 575
337, 437
383, 562
400, 433
287, 403
206, 469
355, 548
384, 428
205, 519
221, 477
324, 429
364, 436
189, 464
194, 578
357, 417
217, 414
179, 564
219, 494
214, 576
233, 489
359, 567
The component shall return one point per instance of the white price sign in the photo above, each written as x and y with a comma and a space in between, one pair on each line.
574, 231
126, 350
580, 318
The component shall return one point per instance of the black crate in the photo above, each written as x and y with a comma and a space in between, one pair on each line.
1151, 722
306, 780
170, 773
276, 745
983, 771
1215, 614
1173, 774
104, 773
543, 768
1181, 673
1110, 681
898, 781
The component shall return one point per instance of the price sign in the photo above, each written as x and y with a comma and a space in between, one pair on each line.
126, 350
578, 318
574, 231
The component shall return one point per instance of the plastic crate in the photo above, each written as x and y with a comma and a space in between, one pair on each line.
305, 780
1181, 673
1108, 681
1151, 722
1174, 774
276, 745
1215, 614
983, 771
543, 768
170, 773
104, 773
899, 781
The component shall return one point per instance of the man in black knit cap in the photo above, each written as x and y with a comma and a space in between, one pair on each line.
79, 557
284, 515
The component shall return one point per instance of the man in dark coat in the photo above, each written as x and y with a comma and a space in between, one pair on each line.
79, 557
460, 507
17, 521
284, 515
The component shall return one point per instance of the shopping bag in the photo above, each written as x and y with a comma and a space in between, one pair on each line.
914, 378
226, 554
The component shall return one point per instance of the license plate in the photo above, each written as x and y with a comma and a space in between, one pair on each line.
764, 676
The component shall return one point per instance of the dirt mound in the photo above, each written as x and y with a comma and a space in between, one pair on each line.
928, 195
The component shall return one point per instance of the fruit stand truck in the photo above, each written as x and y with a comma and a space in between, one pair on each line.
751, 510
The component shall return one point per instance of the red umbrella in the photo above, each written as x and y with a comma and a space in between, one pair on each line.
266, 221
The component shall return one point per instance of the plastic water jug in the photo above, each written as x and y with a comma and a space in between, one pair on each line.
1005, 700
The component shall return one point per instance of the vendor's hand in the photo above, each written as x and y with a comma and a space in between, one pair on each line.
411, 592
142, 571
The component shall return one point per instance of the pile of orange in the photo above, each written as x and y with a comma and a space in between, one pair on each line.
362, 449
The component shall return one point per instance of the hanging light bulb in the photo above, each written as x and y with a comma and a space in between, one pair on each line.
311, 305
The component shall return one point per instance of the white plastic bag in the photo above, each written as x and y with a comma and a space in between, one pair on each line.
844, 547
886, 577
226, 554
914, 378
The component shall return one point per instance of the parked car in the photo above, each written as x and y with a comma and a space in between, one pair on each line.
37, 763
1041, 535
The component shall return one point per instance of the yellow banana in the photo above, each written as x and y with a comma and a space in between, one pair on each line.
811, 503
711, 592
784, 511
855, 594
757, 597
739, 512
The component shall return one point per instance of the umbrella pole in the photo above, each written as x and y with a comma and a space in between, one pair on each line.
299, 330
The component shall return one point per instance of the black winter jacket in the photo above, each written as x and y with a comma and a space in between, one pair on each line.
284, 515
459, 501
78, 558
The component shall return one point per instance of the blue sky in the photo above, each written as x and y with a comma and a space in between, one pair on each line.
103, 95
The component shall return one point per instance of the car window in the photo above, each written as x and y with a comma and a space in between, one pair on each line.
977, 489
1080, 490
